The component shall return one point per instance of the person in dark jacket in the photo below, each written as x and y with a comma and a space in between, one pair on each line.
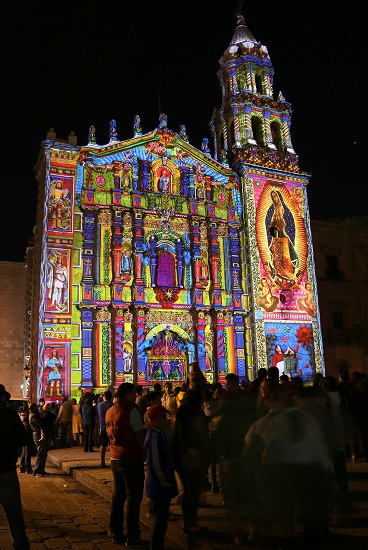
12, 436
161, 484
190, 446
26, 456
103, 438
88, 419
49, 423
40, 439
124, 426
234, 416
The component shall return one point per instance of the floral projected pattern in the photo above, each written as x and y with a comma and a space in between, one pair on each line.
290, 348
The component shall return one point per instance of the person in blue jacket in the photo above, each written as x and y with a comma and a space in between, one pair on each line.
161, 484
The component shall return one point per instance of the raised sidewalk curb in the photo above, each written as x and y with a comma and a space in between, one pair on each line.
85, 468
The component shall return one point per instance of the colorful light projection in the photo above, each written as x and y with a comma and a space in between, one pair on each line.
290, 347
281, 237
285, 297
59, 205
57, 281
55, 371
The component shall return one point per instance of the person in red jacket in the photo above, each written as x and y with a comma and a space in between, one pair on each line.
125, 428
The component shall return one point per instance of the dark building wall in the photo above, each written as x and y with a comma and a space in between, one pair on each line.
338, 290
12, 315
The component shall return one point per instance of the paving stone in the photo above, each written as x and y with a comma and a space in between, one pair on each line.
92, 528
49, 532
83, 520
39, 523
57, 543
76, 536
85, 546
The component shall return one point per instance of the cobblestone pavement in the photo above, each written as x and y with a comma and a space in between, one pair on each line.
69, 508
61, 513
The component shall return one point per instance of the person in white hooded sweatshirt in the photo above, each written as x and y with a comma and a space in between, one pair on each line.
287, 446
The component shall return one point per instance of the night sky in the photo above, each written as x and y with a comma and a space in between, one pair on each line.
69, 65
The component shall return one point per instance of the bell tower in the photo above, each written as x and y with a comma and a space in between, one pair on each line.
252, 130
250, 123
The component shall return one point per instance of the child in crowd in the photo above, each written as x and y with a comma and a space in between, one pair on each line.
161, 484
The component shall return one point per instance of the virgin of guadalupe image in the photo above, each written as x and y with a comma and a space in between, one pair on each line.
284, 261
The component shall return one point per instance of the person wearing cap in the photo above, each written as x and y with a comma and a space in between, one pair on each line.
124, 426
12, 436
161, 484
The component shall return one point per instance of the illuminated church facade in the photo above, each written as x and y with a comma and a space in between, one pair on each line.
150, 253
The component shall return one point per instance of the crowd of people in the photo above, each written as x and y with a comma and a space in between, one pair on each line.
274, 447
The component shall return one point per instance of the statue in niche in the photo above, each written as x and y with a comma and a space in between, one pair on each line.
125, 180
127, 358
126, 263
201, 271
163, 183
164, 176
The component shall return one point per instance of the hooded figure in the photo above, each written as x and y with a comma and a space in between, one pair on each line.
161, 484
